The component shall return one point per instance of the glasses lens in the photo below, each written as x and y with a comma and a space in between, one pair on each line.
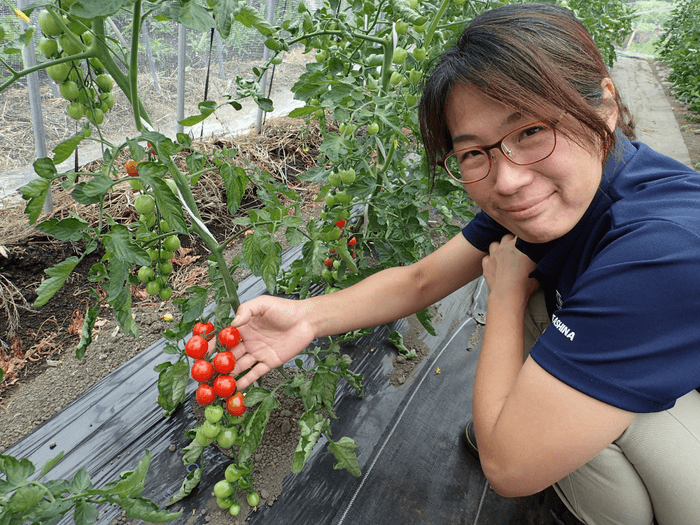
468, 165
529, 144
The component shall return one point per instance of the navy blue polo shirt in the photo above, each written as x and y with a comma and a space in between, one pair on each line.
623, 286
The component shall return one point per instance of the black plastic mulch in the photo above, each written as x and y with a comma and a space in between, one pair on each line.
415, 468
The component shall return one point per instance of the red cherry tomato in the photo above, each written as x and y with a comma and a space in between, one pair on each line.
328, 262
352, 241
196, 347
234, 404
205, 394
229, 337
224, 362
202, 370
224, 386
206, 330
340, 224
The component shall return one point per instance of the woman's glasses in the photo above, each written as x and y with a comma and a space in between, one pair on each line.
523, 146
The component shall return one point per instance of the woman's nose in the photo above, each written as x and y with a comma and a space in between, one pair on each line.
508, 177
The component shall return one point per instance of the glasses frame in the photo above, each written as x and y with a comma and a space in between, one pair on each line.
503, 149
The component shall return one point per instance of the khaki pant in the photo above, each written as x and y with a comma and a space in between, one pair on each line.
651, 472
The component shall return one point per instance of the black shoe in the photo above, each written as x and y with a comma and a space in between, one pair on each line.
470, 440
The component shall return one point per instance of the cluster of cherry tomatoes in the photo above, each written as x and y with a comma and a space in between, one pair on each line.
213, 375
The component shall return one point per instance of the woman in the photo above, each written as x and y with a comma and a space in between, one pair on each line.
522, 111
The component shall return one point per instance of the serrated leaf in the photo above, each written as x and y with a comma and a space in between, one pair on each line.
425, 318
323, 386
119, 296
172, 386
169, 204
98, 8
118, 241
344, 452
193, 308
25, 498
311, 425
50, 464
66, 230
35, 193
16, 472
81, 482
144, 509
188, 485
189, 14
304, 110
84, 513
131, 484
235, 181
335, 147
86, 333
263, 256
94, 190
192, 452
58, 273
255, 427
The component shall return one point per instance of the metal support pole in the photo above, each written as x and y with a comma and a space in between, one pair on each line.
220, 55
33, 85
149, 55
266, 55
181, 47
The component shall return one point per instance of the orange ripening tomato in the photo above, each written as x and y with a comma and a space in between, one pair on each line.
131, 169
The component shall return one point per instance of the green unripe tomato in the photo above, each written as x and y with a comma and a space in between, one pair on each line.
213, 413
48, 24
227, 437
88, 38
419, 53
69, 90
144, 204
107, 99
223, 489
96, 64
400, 55
96, 116
326, 275
373, 128
58, 72
48, 47
211, 430
224, 503
153, 254
253, 498
411, 100
235, 509
336, 264
148, 219
146, 273
165, 268
135, 184
420, 28
334, 274
165, 293
171, 243
153, 287
202, 439
414, 76
396, 78
348, 177
331, 199
164, 226
232, 473
320, 55
75, 110
104, 82
401, 27
334, 178
70, 47
343, 197
166, 255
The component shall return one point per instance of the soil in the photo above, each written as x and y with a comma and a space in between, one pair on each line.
37, 350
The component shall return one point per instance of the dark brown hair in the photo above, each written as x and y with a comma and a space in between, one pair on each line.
537, 58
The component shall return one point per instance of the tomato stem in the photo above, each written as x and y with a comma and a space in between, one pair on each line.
134, 61
433, 25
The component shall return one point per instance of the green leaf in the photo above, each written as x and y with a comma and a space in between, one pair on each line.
119, 242
16, 471
58, 273
335, 147
45, 168
323, 386
255, 427
66, 148
189, 14
193, 307
311, 425
131, 484
192, 452
235, 181
172, 385
81, 482
35, 193
250, 17
86, 333
50, 464
344, 452
396, 339
425, 318
98, 8
119, 296
304, 110
66, 230
263, 256
25, 498
144, 509
84, 513
94, 190
206, 108
169, 204
188, 484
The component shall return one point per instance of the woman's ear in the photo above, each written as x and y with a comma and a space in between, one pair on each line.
610, 109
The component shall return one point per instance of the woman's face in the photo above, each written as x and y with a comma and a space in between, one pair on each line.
539, 202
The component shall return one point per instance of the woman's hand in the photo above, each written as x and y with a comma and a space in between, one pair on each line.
507, 270
273, 331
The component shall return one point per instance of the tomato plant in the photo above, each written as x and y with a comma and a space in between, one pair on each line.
377, 191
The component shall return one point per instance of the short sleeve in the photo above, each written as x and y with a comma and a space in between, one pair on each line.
482, 230
628, 334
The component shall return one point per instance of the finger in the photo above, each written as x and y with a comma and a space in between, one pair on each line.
212, 346
243, 363
253, 375
248, 310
